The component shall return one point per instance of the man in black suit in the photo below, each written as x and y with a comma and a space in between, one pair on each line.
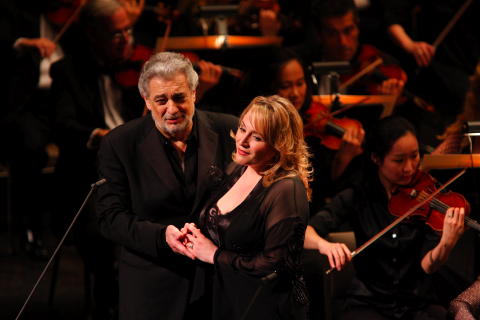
158, 169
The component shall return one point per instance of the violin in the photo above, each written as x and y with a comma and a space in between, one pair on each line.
128, 73
423, 184
370, 61
63, 14
369, 55
328, 129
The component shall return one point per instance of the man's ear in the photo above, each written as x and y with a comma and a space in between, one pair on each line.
147, 103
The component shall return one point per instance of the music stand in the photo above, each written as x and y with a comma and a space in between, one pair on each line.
219, 13
332, 69
217, 42
387, 101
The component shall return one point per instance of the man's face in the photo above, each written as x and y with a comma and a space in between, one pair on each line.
339, 36
115, 41
172, 104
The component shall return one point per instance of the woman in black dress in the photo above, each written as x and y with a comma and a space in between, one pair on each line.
254, 226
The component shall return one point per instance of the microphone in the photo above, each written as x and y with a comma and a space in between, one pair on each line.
98, 183
270, 277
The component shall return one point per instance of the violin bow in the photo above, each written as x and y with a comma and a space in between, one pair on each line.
347, 107
402, 217
451, 23
361, 73
166, 35
69, 21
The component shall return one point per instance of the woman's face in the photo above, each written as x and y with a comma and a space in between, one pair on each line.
252, 149
292, 84
400, 163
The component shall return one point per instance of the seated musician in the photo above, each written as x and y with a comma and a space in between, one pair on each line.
394, 273
439, 46
338, 39
94, 90
30, 43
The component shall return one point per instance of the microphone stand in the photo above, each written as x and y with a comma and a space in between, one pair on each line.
265, 280
92, 188
334, 78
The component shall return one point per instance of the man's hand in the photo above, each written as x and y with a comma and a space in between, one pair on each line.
176, 241
209, 77
422, 52
45, 47
392, 87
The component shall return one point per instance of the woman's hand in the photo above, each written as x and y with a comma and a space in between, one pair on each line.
199, 245
453, 226
338, 253
176, 241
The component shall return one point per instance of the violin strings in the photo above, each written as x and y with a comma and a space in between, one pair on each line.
435, 203
442, 207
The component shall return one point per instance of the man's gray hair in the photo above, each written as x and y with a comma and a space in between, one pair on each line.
166, 65
96, 10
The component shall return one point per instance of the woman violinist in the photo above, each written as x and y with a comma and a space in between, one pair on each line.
393, 275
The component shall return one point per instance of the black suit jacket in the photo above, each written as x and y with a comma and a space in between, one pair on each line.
141, 197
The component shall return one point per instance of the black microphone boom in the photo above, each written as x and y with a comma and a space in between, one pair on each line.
92, 188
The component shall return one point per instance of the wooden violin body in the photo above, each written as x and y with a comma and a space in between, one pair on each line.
128, 73
432, 211
369, 82
328, 129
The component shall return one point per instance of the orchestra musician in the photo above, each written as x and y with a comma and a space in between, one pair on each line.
90, 100
393, 276
438, 56
339, 40
29, 45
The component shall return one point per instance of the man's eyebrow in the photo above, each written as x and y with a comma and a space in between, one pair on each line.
159, 96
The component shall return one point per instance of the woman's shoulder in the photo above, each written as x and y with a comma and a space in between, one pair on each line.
287, 185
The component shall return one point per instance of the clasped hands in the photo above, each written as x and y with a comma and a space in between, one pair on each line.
190, 242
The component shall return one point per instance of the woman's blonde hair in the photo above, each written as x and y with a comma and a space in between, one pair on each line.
280, 124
